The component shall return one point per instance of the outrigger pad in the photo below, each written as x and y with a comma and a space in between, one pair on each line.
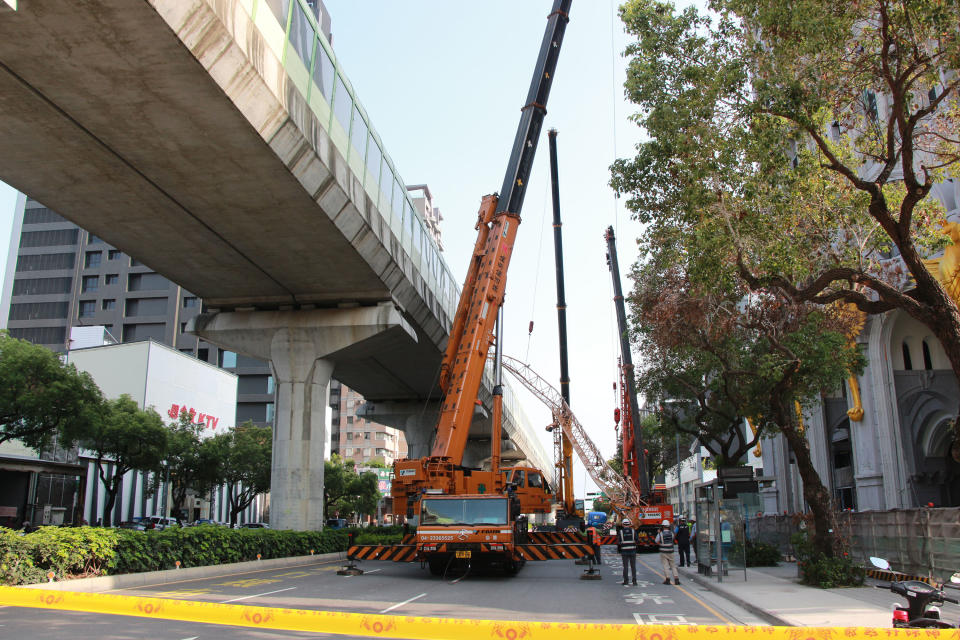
350, 569
591, 574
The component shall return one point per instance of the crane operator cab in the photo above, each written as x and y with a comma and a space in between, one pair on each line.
530, 487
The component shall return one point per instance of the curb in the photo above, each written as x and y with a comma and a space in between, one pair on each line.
128, 580
740, 602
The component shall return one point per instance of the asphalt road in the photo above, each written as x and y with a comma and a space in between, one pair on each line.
549, 591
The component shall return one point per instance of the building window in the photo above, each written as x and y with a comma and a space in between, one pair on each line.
109, 304
89, 283
111, 278
907, 362
349, 435
92, 239
269, 384
228, 359
183, 327
87, 308
349, 419
366, 435
190, 302
92, 259
927, 360
114, 254
270, 412
135, 263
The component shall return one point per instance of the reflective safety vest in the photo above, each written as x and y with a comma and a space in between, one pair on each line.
628, 540
592, 537
666, 541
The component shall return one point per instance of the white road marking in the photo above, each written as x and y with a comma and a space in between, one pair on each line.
193, 638
400, 604
373, 570
257, 595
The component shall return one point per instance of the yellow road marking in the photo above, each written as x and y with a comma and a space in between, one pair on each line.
222, 575
690, 595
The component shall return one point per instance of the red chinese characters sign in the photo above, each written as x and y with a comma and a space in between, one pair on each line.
208, 421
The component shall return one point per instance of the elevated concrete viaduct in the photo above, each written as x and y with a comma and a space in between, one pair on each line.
220, 142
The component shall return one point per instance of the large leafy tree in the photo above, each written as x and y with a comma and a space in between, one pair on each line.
41, 397
128, 438
185, 461
799, 142
239, 458
723, 358
345, 490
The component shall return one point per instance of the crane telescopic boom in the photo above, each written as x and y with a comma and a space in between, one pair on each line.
639, 461
472, 333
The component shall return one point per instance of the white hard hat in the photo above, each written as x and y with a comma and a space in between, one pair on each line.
626, 521
665, 523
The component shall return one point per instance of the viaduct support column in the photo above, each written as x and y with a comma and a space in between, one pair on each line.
302, 349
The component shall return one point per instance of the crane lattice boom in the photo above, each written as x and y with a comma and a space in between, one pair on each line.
619, 489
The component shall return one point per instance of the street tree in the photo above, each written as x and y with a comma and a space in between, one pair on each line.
800, 142
43, 398
126, 438
743, 355
185, 461
239, 458
345, 490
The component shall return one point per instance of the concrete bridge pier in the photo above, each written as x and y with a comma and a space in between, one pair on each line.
302, 347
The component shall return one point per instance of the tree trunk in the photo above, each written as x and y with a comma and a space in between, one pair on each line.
110, 500
817, 496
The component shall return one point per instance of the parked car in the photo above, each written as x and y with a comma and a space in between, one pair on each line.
253, 525
337, 523
202, 521
159, 522
136, 525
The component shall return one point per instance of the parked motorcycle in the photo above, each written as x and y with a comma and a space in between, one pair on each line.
922, 610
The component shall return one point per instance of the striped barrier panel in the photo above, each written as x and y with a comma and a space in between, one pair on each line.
422, 628
896, 576
555, 537
551, 551
394, 552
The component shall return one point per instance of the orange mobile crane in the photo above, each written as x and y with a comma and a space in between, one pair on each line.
472, 333
656, 508
465, 514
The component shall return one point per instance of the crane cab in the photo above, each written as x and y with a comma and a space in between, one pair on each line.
530, 487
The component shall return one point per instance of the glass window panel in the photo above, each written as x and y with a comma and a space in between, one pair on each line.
279, 10
301, 34
358, 135
342, 103
373, 158
386, 182
323, 73
397, 198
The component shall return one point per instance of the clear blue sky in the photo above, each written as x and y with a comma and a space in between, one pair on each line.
443, 85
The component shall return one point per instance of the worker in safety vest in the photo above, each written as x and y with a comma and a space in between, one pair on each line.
627, 546
665, 541
593, 538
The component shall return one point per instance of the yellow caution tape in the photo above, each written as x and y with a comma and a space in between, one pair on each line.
416, 628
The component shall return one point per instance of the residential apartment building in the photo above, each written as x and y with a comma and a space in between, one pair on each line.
357, 439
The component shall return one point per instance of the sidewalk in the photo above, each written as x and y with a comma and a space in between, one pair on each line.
775, 595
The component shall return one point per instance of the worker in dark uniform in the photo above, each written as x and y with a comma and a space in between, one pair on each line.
627, 546
593, 538
682, 535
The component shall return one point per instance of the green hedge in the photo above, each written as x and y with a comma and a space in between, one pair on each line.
79, 552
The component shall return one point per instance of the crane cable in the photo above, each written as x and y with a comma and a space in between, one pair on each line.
536, 273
